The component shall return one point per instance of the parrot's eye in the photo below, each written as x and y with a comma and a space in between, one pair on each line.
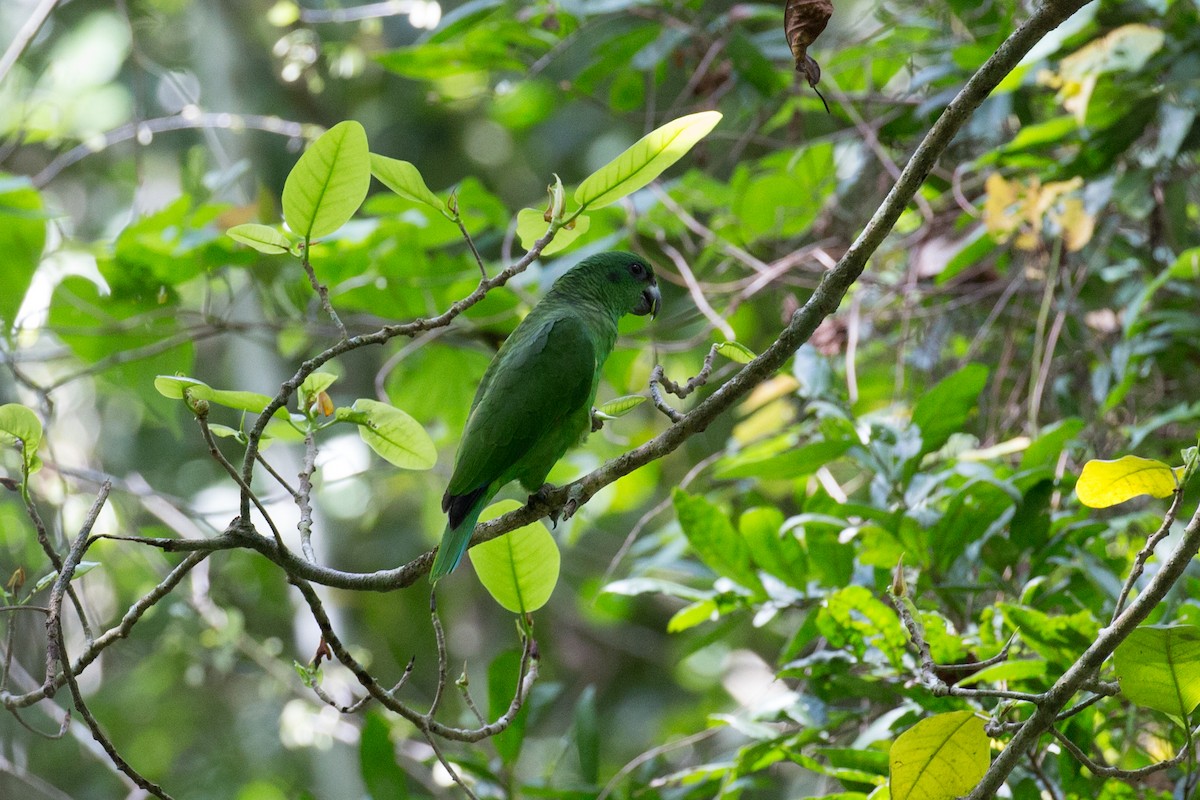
637, 270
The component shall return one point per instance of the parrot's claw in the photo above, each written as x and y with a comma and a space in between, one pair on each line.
574, 498
542, 497
597, 421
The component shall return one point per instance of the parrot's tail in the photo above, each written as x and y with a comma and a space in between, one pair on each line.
457, 536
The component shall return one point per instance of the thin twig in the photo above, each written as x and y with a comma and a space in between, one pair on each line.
304, 496
321, 289
25, 35
1143, 556
1105, 771
55, 646
201, 411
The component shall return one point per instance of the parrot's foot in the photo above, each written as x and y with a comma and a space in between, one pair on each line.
574, 498
597, 421
542, 497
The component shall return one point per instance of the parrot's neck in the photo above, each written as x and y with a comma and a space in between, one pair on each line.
601, 322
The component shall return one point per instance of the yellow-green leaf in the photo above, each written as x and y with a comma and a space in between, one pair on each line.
692, 615
1159, 667
520, 568
939, 758
1107, 483
262, 238
532, 225
394, 435
329, 182
736, 351
620, 406
645, 160
20, 426
174, 387
405, 180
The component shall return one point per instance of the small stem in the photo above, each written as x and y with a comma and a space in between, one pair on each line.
321, 289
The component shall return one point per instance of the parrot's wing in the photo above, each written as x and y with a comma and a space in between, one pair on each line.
532, 391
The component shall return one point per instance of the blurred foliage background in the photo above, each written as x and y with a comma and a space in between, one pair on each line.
719, 628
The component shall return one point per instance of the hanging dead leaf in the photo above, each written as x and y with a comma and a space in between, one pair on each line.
803, 21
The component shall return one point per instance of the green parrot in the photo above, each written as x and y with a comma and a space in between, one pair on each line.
535, 399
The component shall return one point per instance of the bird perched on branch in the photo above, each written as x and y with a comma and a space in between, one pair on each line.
535, 399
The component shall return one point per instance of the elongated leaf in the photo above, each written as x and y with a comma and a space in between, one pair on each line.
520, 568
174, 387
1107, 483
22, 238
692, 615
587, 735
262, 238
712, 536
404, 179
395, 436
503, 676
382, 776
939, 758
645, 160
329, 182
532, 225
736, 351
791, 464
1159, 667
620, 406
945, 408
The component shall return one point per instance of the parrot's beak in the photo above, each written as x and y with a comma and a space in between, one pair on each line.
650, 302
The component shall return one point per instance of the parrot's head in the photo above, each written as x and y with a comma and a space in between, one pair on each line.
625, 282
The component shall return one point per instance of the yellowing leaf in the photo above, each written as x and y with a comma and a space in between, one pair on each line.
520, 568
1107, 483
939, 758
645, 160
532, 225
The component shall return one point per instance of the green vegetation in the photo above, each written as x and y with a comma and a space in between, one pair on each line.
894, 499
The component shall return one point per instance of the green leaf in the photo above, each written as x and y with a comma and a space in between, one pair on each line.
502, 678
714, 539
520, 568
789, 465
1158, 667
692, 615
382, 776
645, 160
1107, 483
945, 408
774, 551
316, 383
262, 238
587, 735
81, 569
620, 406
735, 351
329, 182
22, 238
532, 225
174, 387
395, 436
939, 758
631, 587
1048, 446
20, 426
405, 180
1187, 266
